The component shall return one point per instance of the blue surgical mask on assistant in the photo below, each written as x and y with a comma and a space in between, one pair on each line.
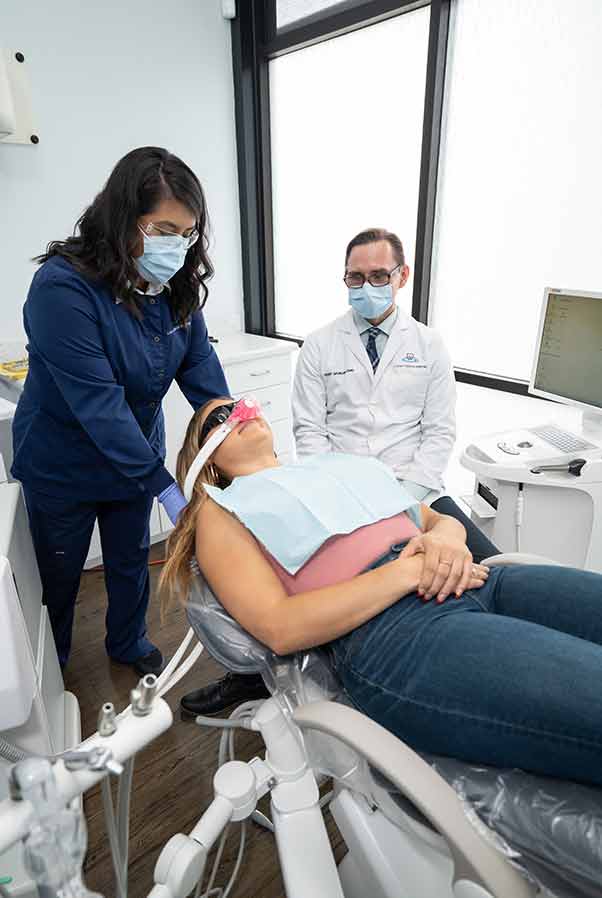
162, 257
370, 302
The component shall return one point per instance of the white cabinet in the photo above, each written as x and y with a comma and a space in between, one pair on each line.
258, 373
7, 410
259, 366
53, 723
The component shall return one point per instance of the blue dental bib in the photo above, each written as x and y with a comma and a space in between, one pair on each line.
293, 509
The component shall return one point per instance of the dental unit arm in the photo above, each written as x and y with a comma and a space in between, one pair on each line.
41, 811
478, 869
181, 864
296, 816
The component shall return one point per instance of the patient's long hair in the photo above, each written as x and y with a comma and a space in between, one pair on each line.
177, 574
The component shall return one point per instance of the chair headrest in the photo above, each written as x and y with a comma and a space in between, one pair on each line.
222, 636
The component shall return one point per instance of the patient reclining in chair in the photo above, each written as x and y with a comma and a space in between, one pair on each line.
499, 667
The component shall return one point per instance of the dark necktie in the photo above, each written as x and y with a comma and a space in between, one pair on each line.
371, 347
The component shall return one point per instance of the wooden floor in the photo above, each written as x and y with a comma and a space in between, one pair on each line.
173, 776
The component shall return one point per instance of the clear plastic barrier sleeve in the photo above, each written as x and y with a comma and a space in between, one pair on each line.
551, 829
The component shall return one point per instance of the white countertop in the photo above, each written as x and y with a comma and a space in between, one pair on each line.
231, 348
240, 347
11, 350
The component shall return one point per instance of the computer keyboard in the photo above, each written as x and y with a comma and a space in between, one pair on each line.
561, 439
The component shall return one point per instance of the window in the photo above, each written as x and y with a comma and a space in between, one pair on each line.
520, 180
346, 135
290, 12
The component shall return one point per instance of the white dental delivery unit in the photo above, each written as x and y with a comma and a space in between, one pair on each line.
37, 715
538, 489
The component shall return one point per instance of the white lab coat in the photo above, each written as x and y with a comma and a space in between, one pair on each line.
404, 414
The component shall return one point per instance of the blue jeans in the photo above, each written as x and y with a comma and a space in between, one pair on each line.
509, 675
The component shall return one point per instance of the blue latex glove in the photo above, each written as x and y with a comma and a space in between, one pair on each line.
172, 501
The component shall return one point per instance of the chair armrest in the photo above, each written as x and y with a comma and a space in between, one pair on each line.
474, 859
519, 558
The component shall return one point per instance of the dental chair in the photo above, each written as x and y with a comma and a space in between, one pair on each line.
414, 827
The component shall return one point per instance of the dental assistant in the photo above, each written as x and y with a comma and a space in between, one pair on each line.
113, 316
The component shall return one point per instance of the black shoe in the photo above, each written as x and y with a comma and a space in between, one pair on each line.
149, 664
233, 689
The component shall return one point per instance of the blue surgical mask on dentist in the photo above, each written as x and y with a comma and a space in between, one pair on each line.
162, 257
370, 302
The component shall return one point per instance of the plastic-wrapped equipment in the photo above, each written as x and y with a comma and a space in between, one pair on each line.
550, 828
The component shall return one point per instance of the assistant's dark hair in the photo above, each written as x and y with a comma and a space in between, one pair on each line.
373, 235
107, 233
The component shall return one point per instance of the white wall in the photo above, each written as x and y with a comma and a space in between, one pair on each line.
106, 77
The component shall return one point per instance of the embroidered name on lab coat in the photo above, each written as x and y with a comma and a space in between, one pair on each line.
346, 371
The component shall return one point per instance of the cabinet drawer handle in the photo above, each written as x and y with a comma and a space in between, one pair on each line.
260, 373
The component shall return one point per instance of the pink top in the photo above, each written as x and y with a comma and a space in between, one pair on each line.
345, 556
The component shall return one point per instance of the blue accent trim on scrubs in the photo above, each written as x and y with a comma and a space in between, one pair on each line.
89, 424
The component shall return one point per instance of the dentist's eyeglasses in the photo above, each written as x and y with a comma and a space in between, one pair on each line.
375, 279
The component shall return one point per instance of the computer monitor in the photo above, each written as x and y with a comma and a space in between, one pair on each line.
567, 364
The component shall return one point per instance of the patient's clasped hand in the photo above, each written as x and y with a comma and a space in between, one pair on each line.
313, 554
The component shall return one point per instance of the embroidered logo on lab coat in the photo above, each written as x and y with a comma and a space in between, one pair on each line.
409, 360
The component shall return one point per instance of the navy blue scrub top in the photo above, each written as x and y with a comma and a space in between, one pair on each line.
89, 423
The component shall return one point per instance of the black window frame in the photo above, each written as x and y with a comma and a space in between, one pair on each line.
256, 41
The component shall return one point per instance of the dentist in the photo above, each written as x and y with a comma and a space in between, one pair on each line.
376, 382
113, 316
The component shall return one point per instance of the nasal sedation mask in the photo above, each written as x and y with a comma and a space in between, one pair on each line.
225, 418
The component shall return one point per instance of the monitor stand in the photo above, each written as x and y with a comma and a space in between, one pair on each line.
591, 426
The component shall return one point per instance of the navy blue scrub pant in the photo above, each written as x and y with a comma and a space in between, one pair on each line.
61, 529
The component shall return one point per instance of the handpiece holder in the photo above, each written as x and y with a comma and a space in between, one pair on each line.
573, 467
132, 734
